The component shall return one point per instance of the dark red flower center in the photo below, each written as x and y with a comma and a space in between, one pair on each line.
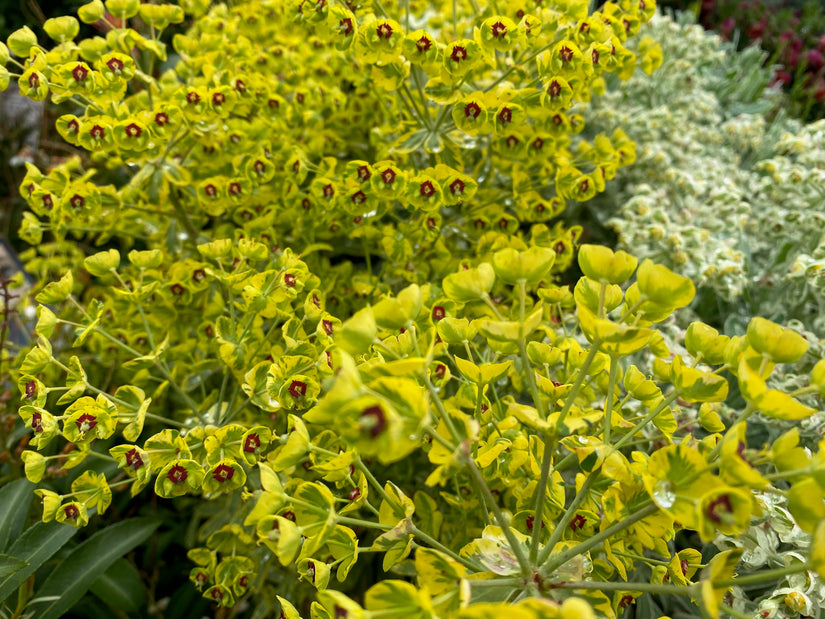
719, 506
423, 44
426, 189
223, 472
499, 30
505, 115
177, 474
558, 120
210, 190
440, 370
115, 65
240, 86
235, 189
133, 131
472, 110
595, 56
297, 389
73, 126
329, 191
384, 31
359, 197
86, 422
252, 443
537, 144
457, 187
177, 289
79, 73
218, 99
345, 26
355, 494
438, 312
37, 422
578, 522
372, 420
431, 223
133, 459
364, 173
512, 141
289, 280
584, 186
554, 89
327, 324
192, 97
566, 54
161, 119
97, 132
626, 601
71, 512
388, 176
458, 54
31, 390
77, 201
559, 248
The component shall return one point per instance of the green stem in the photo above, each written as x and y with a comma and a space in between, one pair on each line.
396, 508
563, 557
434, 543
357, 522
647, 419
763, 576
569, 514
511, 581
733, 612
608, 404
502, 522
641, 587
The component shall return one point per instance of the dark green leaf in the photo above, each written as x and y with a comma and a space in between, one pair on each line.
15, 499
84, 565
37, 544
120, 587
10, 565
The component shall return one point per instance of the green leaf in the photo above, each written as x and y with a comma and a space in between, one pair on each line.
120, 587
15, 498
37, 544
10, 565
84, 565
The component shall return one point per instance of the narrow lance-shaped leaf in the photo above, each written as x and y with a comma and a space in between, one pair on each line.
84, 565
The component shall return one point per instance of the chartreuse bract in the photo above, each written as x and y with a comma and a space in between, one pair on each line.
323, 300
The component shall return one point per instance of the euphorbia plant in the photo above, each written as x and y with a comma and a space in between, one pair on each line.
323, 313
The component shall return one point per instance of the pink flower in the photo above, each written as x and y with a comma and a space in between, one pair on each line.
814, 59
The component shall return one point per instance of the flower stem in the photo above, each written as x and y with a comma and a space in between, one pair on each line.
563, 557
